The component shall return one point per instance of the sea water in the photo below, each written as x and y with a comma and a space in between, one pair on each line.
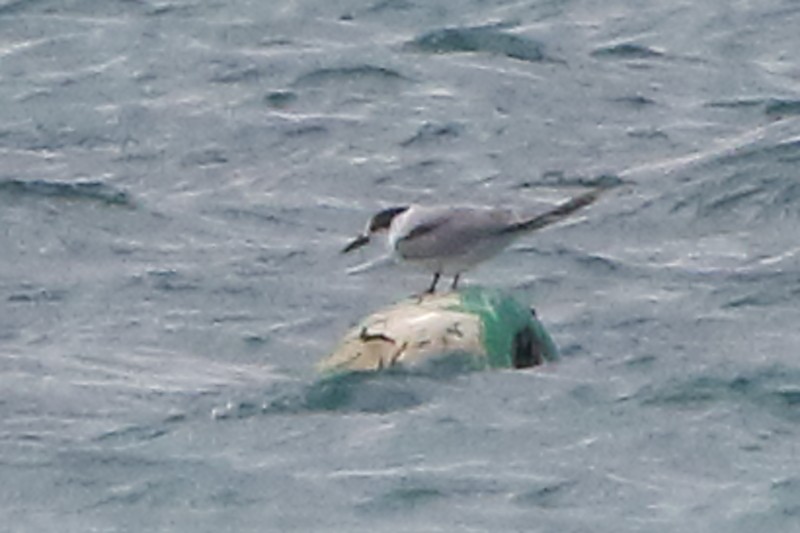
177, 179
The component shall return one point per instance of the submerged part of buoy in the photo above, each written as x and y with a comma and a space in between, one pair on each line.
486, 327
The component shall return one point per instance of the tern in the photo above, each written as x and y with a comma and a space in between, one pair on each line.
449, 240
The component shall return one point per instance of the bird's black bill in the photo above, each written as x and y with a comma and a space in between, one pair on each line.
359, 241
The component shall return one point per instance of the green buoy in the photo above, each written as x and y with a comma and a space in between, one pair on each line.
487, 327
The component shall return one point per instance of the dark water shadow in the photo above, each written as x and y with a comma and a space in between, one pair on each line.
773, 390
482, 39
390, 390
81, 191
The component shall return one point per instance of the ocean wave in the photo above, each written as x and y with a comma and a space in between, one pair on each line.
395, 389
749, 184
626, 51
486, 39
772, 390
348, 74
429, 133
89, 191
774, 108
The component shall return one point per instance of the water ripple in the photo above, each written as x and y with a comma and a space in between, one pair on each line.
92, 191
772, 389
486, 39
626, 51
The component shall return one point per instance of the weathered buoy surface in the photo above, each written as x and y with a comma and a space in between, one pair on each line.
487, 327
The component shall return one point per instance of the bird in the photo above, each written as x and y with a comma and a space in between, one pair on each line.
449, 240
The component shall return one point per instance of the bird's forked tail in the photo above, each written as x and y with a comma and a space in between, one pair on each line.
558, 213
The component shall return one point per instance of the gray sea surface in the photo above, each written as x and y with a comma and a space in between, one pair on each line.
177, 178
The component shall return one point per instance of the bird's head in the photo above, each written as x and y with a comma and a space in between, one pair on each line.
378, 223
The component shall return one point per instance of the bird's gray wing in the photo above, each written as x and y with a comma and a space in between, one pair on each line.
452, 232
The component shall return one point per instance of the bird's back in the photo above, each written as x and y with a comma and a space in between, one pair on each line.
450, 236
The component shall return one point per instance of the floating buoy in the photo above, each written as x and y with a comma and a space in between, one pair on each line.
486, 327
